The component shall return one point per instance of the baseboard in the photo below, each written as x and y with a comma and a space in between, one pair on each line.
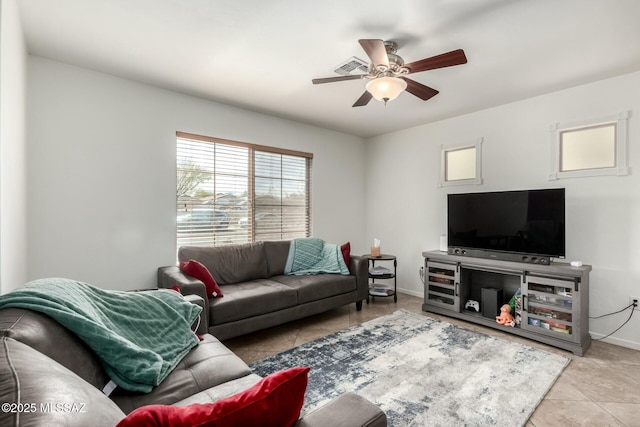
616, 341
419, 294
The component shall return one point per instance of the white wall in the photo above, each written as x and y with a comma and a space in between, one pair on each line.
102, 172
407, 211
13, 192
101, 177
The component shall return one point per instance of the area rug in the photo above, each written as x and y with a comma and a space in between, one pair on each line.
425, 372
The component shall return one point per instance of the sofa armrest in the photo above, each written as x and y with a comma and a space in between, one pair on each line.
347, 410
202, 324
171, 276
359, 267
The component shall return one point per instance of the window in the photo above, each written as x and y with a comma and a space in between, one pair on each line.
232, 192
461, 164
590, 148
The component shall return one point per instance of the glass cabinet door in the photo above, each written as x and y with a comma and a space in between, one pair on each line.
442, 285
548, 306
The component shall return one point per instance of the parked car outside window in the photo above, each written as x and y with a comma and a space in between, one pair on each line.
202, 220
263, 220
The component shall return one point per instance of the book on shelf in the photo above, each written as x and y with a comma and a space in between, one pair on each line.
379, 271
382, 291
385, 293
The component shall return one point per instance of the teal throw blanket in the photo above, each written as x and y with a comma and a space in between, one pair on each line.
138, 336
314, 256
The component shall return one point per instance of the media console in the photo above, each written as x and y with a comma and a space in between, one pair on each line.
554, 302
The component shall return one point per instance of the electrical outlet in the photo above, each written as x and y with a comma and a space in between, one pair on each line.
634, 301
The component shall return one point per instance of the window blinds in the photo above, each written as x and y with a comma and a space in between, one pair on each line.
232, 192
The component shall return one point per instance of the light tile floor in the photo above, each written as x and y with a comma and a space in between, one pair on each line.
600, 389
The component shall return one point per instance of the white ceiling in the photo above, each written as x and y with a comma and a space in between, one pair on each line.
262, 54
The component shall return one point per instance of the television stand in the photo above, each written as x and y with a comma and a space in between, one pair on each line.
553, 307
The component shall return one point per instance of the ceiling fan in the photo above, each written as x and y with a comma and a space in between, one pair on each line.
387, 72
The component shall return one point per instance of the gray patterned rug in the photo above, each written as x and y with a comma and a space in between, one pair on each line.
424, 372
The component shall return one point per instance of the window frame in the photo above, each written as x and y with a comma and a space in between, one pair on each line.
445, 149
251, 180
620, 167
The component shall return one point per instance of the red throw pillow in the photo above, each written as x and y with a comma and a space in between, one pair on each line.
195, 269
346, 253
274, 401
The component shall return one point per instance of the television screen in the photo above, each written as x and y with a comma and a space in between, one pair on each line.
526, 221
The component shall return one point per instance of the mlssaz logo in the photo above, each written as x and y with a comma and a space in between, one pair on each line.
64, 407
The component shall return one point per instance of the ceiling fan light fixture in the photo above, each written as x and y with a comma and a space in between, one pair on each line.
386, 88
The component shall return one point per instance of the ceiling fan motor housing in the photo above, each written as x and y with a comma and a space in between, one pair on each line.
396, 63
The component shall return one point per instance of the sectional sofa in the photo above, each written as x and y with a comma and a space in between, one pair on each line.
49, 377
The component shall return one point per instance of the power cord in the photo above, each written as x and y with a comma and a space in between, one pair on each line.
633, 306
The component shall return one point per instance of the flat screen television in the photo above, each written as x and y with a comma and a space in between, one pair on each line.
528, 224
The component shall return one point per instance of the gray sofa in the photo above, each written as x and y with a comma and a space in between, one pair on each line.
49, 377
257, 294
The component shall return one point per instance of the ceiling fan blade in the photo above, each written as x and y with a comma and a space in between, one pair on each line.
418, 89
375, 50
455, 57
337, 79
363, 100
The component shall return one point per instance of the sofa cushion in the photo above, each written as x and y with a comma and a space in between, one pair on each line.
50, 338
196, 269
316, 287
277, 253
250, 299
229, 264
348, 409
274, 401
207, 365
221, 391
51, 394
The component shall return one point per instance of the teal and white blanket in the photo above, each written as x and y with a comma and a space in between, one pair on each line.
314, 256
139, 336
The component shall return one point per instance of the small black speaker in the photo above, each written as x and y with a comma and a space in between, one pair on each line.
491, 302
